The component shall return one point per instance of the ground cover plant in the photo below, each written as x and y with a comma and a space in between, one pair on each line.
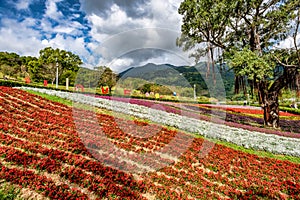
208, 126
250, 119
289, 122
41, 149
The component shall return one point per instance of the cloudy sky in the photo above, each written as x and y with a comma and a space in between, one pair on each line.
116, 33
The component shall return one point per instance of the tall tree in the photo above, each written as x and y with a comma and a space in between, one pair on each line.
249, 29
107, 78
49, 60
203, 29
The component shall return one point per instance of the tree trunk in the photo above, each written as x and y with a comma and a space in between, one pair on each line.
297, 83
236, 85
213, 65
240, 85
208, 61
271, 110
269, 103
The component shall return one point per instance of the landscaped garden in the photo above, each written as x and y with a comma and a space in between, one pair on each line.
89, 150
150, 100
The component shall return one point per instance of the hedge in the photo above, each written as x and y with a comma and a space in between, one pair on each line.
10, 83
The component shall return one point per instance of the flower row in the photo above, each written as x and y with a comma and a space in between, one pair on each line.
202, 169
249, 139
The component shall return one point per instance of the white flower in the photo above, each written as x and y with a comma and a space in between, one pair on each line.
248, 139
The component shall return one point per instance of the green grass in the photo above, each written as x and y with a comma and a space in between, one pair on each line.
252, 151
9, 192
261, 153
62, 100
227, 144
50, 86
52, 98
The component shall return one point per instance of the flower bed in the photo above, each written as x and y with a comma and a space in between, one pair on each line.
256, 111
289, 126
236, 117
41, 148
237, 135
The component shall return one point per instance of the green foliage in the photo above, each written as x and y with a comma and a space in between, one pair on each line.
107, 78
203, 22
235, 24
178, 78
146, 88
249, 63
9, 192
247, 31
156, 88
44, 68
10, 83
13, 66
89, 77
290, 110
98, 77
131, 83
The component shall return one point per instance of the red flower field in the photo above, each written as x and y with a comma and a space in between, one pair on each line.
62, 152
247, 111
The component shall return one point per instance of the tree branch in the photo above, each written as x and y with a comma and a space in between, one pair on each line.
283, 64
283, 80
295, 37
268, 5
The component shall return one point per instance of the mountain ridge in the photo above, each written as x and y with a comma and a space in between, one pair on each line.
184, 76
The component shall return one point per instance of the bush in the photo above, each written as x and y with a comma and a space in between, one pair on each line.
238, 97
11, 83
290, 110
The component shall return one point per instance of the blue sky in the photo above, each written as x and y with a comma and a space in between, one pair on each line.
115, 33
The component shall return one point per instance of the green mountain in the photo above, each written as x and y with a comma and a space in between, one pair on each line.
182, 76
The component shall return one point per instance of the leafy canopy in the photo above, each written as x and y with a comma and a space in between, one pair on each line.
249, 63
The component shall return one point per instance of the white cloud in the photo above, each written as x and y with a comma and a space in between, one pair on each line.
45, 25
103, 28
45, 42
62, 29
142, 45
23, 4
118, 16
115, 30
65, 26
163, 15
18, 37
120, 64
52, 11
289, 43
75, 45
169, 58
119, 32
21, 38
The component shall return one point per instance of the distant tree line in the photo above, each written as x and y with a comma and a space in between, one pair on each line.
51, 61
97, 77
14, 66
